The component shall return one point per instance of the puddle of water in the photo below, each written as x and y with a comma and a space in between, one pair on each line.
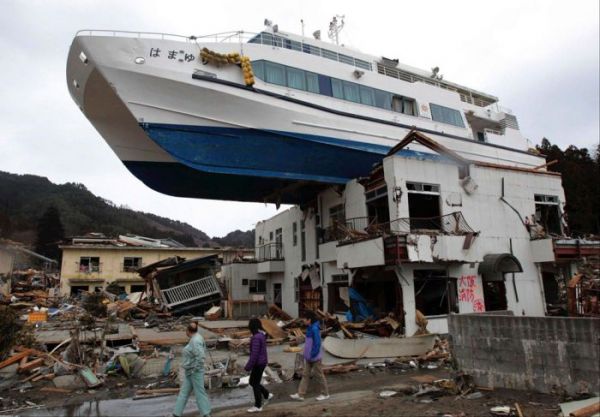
161, 406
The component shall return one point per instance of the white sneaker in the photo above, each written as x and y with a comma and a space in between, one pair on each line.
269, 398
322, 397
296, 397
255, 410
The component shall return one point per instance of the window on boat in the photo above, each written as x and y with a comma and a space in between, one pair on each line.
403, 105
446, 115
312, 82
267, 38
367, 96
351, 92
383, 99
274, 73
338, 90
326, 53
296, 78
321, 84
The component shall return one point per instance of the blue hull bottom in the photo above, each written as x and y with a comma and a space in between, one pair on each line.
182, 181
268, 154
252, 164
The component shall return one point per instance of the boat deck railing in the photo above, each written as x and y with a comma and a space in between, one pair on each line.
239, 36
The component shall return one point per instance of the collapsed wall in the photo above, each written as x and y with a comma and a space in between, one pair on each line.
546, 354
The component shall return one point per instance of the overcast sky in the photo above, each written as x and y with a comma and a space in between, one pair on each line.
539, 57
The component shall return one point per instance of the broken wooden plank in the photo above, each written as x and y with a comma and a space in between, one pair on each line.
40, 377
15, 358
30, 365
56, 390
272, 329
586, 411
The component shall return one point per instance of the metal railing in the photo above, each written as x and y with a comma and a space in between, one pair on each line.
238, 36
190, 291
270, 252
452, 224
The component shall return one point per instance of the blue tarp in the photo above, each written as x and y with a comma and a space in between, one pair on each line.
359, 309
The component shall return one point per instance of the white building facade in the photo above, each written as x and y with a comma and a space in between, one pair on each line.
427, 231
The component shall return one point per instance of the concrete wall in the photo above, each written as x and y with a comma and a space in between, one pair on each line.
539, 353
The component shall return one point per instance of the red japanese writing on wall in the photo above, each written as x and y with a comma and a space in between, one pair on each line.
467, 292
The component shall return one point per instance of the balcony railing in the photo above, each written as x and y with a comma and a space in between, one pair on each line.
270, 252
190, 291
360, 227
88, 269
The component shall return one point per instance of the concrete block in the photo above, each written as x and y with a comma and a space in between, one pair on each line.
69, 381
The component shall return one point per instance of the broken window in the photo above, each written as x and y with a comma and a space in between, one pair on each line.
494, 295
303, 240
131, 264
279, 243
75, 289
337, 215
423, 206
547, 213
257, 286
295, 233
435, 292
296, 289
89, 264
138, 288
377, 205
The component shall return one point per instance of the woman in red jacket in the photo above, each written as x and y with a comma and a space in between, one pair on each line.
257, 363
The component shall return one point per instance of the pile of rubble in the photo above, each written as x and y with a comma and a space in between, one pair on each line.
583, 290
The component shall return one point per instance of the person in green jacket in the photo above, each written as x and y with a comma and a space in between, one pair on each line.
193, 366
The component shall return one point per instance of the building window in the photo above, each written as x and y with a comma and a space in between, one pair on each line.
138, 288
89, 264
257, 286
296, 289
339, 278
270, 236
423, 206
435, 293
131, 264
337, 215
303, 240
295, 233
261, 241
446, 115
547, 213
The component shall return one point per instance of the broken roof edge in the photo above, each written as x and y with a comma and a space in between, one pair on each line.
429, 143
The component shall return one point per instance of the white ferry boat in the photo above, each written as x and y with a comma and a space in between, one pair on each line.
312, 114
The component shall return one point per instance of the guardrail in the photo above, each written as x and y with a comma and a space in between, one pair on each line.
270, 252
238, 36
201, 288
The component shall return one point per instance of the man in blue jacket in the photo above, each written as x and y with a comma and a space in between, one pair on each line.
312, 360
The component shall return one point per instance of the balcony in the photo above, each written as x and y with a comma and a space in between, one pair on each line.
270, 258
417, 239
563, 249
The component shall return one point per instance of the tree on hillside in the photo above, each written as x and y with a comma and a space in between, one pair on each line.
580, 172
50, 233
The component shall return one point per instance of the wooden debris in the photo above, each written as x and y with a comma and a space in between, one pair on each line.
15, 358
56, 390
30, 365
272, 329
292, 349
278, 313
587, 411
40, 377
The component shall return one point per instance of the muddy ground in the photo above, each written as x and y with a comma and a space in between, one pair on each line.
352, 394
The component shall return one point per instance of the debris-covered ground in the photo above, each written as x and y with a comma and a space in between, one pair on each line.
108, 354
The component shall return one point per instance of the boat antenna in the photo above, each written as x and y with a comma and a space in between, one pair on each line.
302, 23
335, 27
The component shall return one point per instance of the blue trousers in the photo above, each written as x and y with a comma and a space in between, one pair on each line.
195, 383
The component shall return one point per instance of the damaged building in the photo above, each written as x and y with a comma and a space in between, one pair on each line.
95, 261
428, 231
